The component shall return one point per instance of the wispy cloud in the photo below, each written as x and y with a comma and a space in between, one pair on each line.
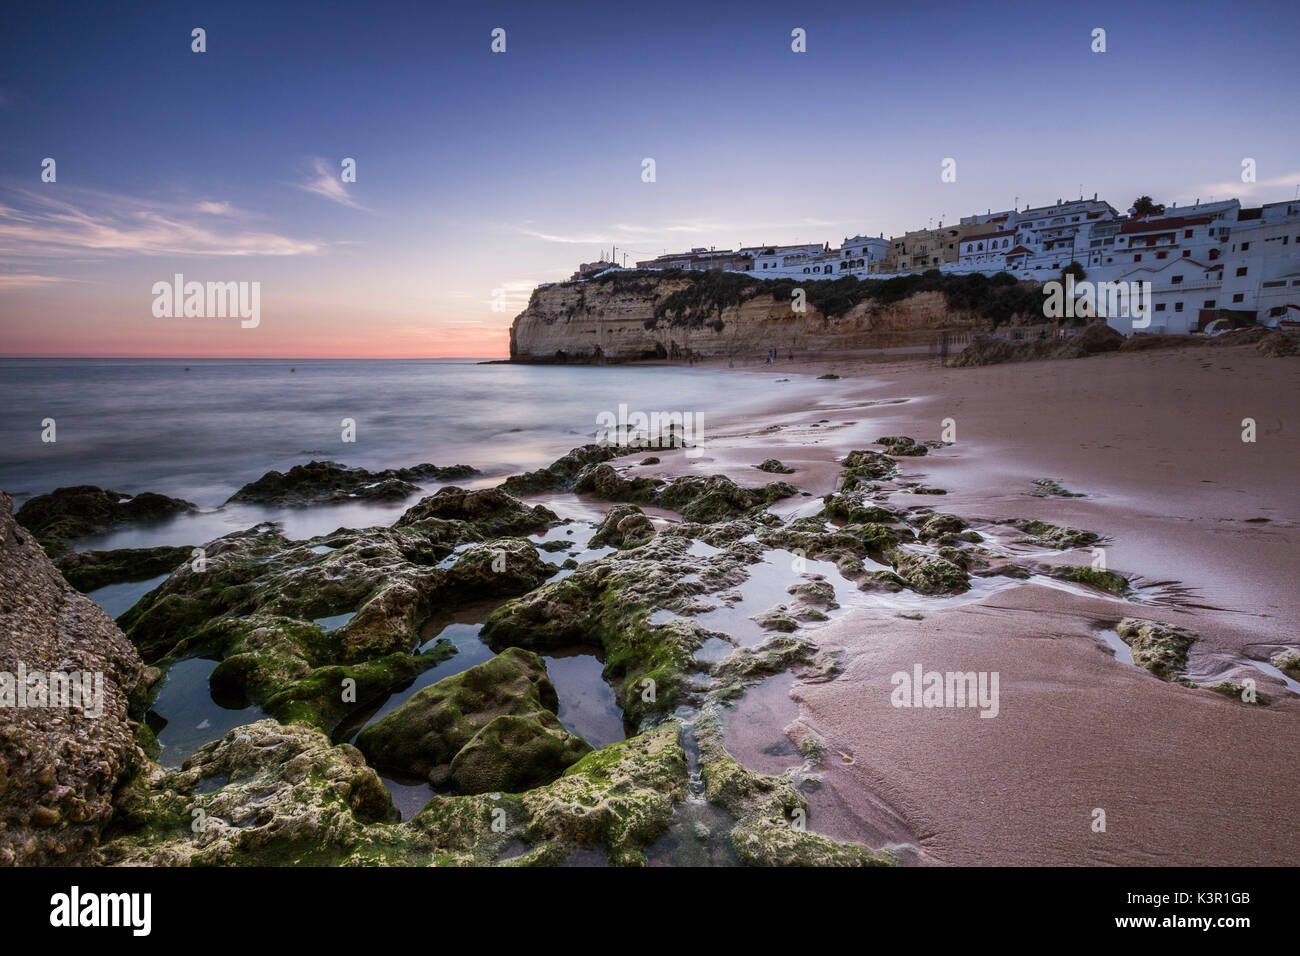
1236, 188
40, 224
215, 208
28, 280
325, 181
654, 235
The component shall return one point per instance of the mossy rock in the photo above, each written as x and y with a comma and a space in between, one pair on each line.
1160, 648
65, 514
624, 526
322, 699
422, 737
90, 570
515, 753
863, 466
902, 446
602, 481
1288, 661
929, 574
1109, 581
1053, 536
938, 525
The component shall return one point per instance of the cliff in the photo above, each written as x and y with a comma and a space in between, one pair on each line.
635, 316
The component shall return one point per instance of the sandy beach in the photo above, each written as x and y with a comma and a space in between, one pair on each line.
1203, 524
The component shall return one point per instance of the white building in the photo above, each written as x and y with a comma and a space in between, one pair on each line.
987, 249
1060, 234
768, 258
1261, 265
1184, 295
857, 254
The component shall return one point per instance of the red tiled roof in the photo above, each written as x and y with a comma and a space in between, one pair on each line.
1162, 225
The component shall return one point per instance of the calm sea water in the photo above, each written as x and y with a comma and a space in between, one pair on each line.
200, 429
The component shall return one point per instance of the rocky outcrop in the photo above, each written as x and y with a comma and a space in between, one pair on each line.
83, 510
60, 762
257, 601
89, 570
328, 482
1160, 648
648, 315
491, 727
263, 794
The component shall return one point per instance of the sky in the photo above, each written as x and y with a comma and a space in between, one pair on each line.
481, 174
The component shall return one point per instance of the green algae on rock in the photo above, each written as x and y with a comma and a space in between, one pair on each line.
1160, 648
1054, 536
861, 467
264, 794
428, 734
561, 473
773, 466
1051, 488
255, 598
1110, 581
619, 798
929, 573
65, 514
328, 482
1240, 693
90, 570
902, 446
717, 498
602, 481
624, 526
1288, 661
271, 795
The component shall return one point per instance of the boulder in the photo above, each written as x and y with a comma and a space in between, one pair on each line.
59, 765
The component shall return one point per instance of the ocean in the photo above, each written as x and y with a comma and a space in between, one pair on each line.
199, 429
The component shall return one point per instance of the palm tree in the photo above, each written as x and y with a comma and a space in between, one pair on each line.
1146, 206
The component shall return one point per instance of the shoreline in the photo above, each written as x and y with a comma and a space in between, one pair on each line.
1208, 519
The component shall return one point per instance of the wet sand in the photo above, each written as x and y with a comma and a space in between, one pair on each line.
1205, 524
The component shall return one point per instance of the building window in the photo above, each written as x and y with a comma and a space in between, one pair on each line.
1241, 271
1186, 253
1245, 246
1274, 284
1138, 257
1187, 234
1209, 304
1238, 298
1178, 307
1161, 255
1160, 306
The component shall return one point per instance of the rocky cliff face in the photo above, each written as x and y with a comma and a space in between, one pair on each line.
59, 765
640, 317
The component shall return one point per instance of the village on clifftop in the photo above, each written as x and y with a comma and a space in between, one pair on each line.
1207, 265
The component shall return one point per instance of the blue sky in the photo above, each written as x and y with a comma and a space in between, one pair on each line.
479, 171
